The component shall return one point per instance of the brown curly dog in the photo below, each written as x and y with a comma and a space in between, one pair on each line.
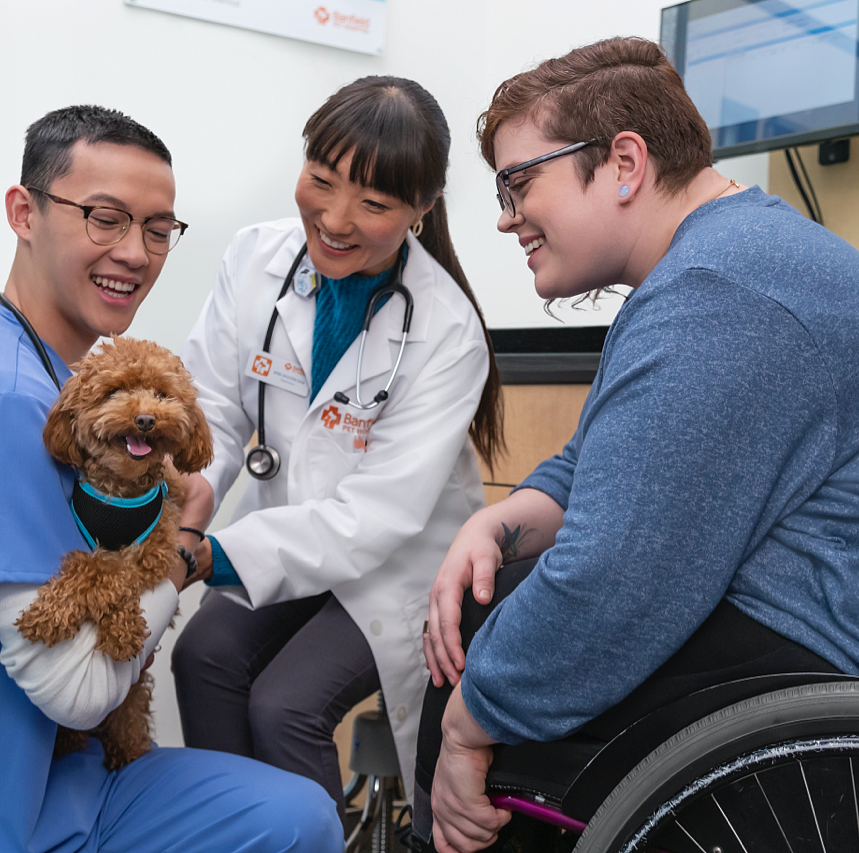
128, 411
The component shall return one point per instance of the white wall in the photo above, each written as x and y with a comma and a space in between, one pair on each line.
230, 105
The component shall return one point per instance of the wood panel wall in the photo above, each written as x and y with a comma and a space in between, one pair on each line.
538, 421
836, 186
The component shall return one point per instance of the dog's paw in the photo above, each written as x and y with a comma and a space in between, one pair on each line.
45, 623
121, 633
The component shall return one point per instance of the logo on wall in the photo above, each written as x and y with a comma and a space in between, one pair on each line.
331, 417
357, 25
261, 366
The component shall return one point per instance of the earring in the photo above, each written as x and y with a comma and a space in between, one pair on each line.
623, 192
418, 228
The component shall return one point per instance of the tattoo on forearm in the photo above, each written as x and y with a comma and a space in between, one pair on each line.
512, 542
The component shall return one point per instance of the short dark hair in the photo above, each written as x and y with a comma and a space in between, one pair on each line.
597, 91
49, 141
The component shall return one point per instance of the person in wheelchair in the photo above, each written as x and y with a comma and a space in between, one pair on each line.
702, 524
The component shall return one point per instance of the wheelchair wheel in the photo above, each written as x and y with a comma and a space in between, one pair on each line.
777, 773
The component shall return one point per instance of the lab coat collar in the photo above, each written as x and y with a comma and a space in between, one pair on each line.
298, 315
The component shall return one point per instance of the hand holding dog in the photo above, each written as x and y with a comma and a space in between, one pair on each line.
196, 513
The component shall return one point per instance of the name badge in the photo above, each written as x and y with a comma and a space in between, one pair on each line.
268, 368
305, 281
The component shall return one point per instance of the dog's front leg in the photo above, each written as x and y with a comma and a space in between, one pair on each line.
62, 603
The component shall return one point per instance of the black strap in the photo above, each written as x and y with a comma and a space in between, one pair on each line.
268, 336
37, 341
113, 526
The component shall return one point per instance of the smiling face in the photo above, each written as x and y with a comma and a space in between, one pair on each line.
350, 228
130, 404
75, 290
569, 233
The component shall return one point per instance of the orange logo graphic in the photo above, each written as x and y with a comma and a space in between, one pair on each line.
331, 417
359, 443
262, 365
321, 15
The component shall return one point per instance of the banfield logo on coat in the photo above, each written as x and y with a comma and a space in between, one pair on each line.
331, 417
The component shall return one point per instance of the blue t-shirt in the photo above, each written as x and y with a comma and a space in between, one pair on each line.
36, 529
717, 455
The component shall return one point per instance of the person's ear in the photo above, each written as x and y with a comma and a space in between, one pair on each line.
429, 206
628, 162
20, 206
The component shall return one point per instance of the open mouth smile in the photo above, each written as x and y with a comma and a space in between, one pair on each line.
535, 244
113, 286
136, 447
334, 244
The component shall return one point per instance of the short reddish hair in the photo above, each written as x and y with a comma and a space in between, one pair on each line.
597, 91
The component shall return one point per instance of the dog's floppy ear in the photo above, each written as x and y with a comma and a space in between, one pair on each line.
197, 453
59, 432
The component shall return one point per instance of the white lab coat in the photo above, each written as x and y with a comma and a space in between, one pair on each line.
372, 523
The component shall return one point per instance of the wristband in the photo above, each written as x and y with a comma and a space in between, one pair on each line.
189, 558
194, 530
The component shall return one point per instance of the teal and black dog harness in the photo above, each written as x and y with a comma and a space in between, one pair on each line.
114, 523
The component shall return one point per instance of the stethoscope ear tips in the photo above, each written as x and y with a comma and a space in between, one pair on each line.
263, 462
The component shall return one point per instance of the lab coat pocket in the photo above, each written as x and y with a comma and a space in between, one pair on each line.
329, 463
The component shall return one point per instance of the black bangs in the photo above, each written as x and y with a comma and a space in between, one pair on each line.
396, 149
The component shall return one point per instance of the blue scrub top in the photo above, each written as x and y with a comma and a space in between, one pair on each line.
36, 529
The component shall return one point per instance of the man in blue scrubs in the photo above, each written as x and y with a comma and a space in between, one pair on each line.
73, 288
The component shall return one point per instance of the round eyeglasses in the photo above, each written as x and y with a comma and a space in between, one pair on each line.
108, 225
502, 179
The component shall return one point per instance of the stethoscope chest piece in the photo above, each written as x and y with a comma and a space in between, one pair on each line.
263, 462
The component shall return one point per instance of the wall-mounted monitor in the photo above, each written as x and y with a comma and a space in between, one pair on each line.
767, 74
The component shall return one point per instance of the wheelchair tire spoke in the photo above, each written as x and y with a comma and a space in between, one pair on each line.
772, 812
728, 821
688, 835
855, 801
811, 806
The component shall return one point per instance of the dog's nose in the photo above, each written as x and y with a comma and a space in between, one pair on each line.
144, 422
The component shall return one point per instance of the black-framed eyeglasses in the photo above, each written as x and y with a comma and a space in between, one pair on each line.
502, 179
108, 225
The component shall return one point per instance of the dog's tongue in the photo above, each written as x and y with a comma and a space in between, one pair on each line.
136, 446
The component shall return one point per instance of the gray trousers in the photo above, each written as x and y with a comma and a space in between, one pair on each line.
273, 683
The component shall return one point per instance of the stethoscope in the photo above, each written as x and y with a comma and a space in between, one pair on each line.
263, 461
37, 341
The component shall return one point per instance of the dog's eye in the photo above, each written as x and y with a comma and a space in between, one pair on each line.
113, 392
160, 395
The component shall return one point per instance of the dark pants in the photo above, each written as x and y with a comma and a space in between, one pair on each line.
728, 646
273, 683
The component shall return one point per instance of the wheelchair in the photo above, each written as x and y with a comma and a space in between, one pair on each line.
767, 764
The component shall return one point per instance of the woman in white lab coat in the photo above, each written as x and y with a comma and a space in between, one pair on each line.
336, 553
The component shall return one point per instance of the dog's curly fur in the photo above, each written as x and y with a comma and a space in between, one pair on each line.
98, 410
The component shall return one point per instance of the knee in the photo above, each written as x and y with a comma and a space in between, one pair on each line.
275, 711
302, 817
290, 813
